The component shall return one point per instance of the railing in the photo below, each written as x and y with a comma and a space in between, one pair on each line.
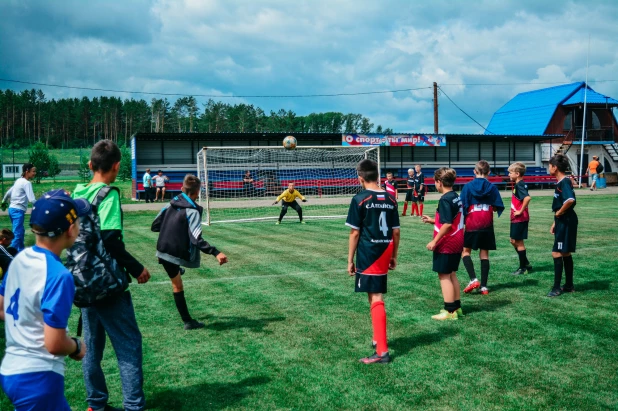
599, 134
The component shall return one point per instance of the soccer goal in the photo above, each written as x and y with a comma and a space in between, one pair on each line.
241, 183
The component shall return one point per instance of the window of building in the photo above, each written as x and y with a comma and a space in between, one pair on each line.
568, 121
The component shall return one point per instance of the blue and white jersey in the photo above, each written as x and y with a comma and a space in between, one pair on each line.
37, 290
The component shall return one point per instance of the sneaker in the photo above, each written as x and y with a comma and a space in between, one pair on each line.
554, 293
566, 289
302, 222
591, 189
520, 271
403, 215
472, 285
484, 290
376, 359
193, 325
278, 222
445, 316
459, 312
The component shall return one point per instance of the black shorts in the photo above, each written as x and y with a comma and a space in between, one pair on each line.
519, 231
410, 195
419, 197
565, 234
370, 283
171, 269
445, 263
480, 240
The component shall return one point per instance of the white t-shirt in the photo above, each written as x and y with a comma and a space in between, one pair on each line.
21, 193
37, 290
160, 181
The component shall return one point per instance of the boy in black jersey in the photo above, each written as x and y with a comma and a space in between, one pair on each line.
409, 193
419, 191
374, 222
447, 243
564, 227
519, 216
390, 185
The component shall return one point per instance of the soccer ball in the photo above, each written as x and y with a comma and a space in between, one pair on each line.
289, 143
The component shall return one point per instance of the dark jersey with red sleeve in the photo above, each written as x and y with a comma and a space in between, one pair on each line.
564, 192
450, 212
419, 181
520, 192
375, 215
411, 182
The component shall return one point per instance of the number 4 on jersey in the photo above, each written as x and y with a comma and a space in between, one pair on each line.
382, 222
13, 307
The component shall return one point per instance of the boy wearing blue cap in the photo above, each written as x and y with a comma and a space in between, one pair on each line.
36, 296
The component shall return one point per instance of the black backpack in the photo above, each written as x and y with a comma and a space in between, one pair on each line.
600, 168
96, 274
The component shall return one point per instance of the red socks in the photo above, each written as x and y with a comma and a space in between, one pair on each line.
414, 208
405, 208
421, 212
378, 319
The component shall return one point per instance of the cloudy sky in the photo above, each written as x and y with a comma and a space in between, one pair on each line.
270, 47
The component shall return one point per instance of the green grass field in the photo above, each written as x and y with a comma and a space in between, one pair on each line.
285, 329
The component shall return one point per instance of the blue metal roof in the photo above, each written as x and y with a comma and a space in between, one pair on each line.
592, 97
530, 112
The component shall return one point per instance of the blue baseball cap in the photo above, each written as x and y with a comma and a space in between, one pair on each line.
55, 211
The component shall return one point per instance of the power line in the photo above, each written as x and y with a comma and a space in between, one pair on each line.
470, 117
212, 95
522, 83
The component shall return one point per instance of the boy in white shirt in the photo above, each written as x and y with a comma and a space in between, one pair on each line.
21, 193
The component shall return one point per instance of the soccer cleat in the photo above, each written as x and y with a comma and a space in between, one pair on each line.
302, 222
445, 316
472, 285
566, 289
278, 222
403, 215
520, 271
484, 290
554, 293
459, 312
376, 359
193, 325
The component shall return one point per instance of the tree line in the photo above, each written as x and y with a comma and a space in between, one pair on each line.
28, 117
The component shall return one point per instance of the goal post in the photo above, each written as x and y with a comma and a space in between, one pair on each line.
240, 184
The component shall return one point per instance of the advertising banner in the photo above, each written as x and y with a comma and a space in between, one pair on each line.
396, 140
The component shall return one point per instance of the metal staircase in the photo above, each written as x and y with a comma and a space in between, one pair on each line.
612, 150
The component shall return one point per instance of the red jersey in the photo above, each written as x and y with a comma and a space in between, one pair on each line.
480, 217
520, 192
390, 187
449, 212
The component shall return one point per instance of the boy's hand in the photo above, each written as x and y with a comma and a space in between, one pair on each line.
351, 269
431, 245
392, 264
518, 212
305, 200
428, 220
143, 277
275, 203
221, 258
81, 354
552, 230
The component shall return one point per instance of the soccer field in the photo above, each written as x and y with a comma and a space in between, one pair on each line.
285, 329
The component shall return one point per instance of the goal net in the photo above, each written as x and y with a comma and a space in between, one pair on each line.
241, 183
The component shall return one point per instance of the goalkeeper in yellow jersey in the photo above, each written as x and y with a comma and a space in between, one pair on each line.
288, 199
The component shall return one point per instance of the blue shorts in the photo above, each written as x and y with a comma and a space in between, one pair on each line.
36, 391
594, 177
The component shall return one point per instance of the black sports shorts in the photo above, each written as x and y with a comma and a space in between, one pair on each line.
410, 195
370, 283
519, 231
420, 196
480, 240
445, 263
171, 269
565, 234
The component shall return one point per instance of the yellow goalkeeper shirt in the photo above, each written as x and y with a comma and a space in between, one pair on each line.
288, 197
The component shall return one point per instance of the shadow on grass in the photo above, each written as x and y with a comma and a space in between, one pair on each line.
207, 396
542, 268
404, 345
484, 305
596, 285
235, 323
515, 284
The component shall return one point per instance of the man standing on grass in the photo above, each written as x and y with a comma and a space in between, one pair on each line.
115, 316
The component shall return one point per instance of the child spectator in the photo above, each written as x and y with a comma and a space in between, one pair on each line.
7, 253
180, 242
21, 193
36, 296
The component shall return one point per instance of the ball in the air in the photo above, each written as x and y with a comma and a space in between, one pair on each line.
289, 143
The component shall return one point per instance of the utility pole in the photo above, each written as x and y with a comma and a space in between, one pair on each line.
435, 107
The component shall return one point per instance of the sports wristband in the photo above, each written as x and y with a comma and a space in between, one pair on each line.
78, 347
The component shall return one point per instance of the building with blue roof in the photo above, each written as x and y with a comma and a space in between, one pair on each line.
559, 110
